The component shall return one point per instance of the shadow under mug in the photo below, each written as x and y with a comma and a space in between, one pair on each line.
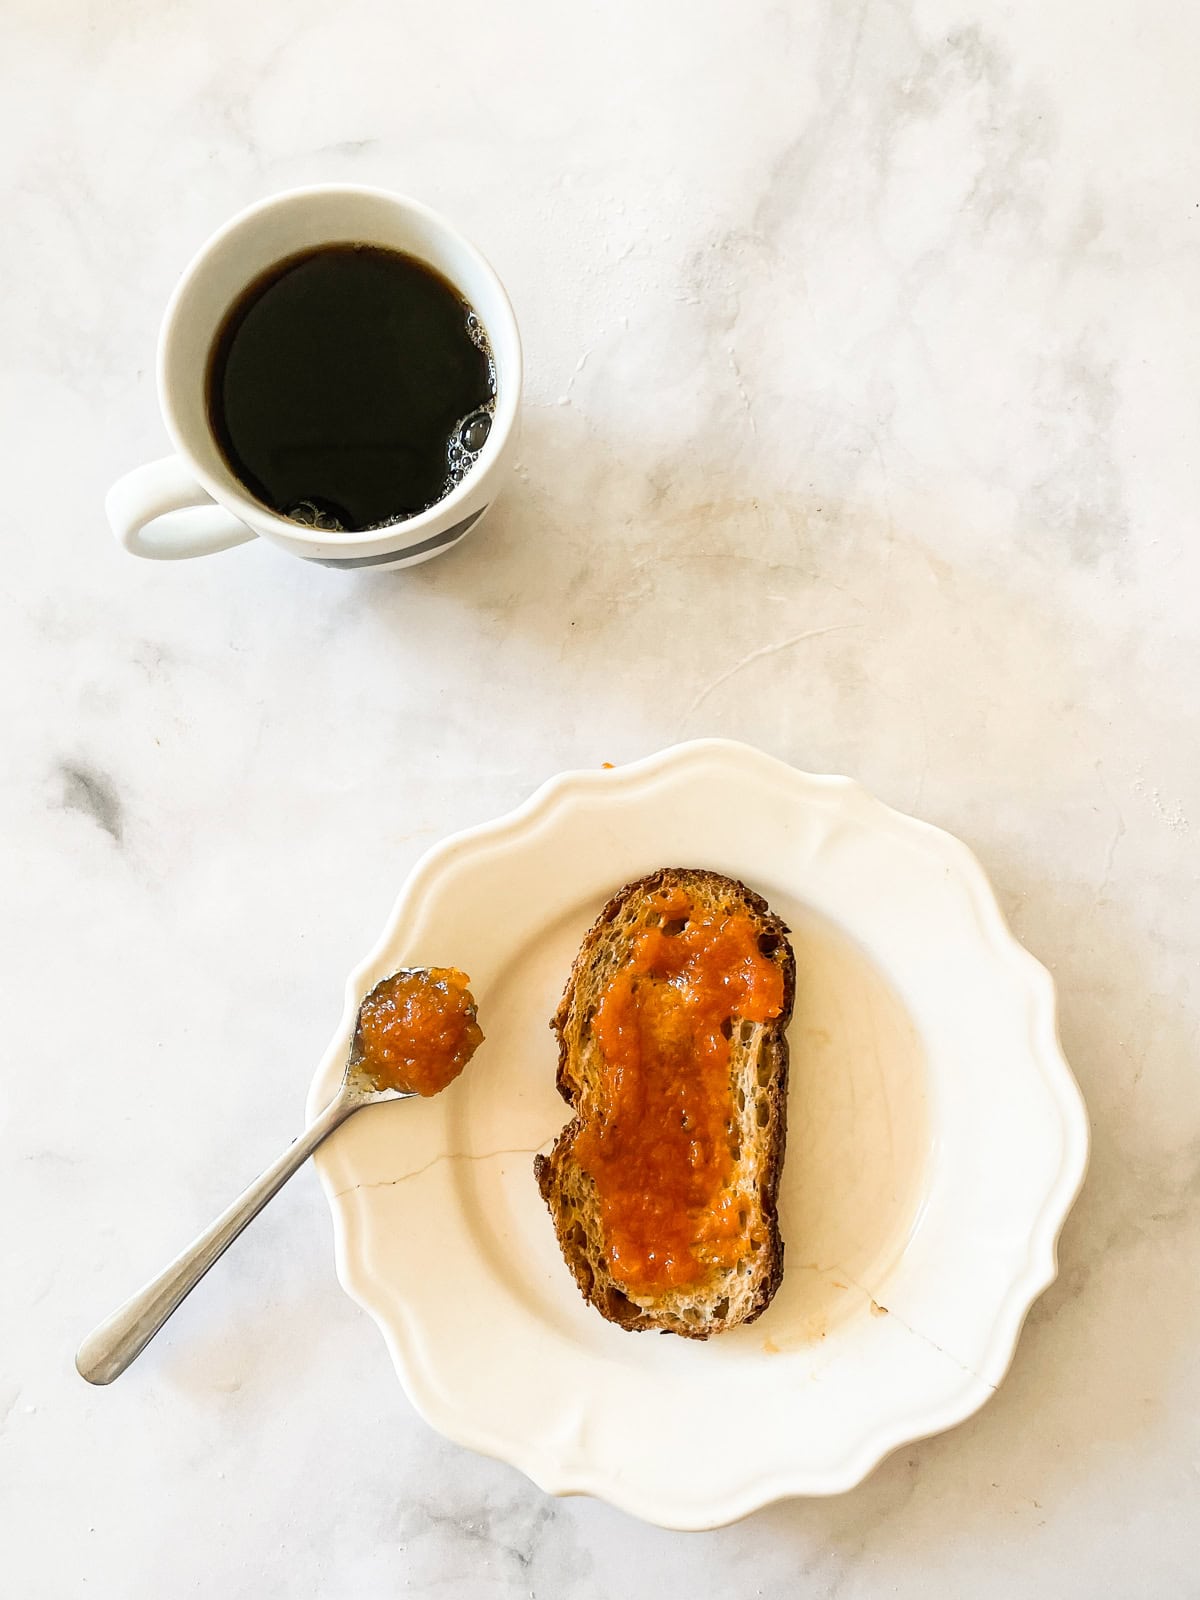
191, 503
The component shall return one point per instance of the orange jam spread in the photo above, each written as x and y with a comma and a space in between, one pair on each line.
417, 1030
661, 1139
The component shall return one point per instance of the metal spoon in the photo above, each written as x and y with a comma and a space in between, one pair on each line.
119, 1340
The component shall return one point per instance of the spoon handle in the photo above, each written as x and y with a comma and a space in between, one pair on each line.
119, 1340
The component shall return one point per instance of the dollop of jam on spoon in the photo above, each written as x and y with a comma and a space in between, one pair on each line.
416, 1031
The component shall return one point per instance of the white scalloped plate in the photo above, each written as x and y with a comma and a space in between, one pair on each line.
936, 1142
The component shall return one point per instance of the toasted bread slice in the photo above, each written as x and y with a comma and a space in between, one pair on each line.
730, 1292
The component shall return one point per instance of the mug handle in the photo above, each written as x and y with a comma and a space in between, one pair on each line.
150, 510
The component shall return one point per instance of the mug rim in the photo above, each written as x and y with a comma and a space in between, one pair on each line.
231, 493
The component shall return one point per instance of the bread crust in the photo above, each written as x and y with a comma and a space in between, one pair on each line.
565, 1187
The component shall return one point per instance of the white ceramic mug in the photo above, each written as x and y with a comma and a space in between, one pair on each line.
191, 503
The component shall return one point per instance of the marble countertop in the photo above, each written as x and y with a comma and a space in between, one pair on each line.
862, 423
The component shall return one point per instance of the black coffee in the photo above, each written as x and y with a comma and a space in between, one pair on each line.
351, 386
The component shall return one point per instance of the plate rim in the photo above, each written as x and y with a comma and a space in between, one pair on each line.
693, 1512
